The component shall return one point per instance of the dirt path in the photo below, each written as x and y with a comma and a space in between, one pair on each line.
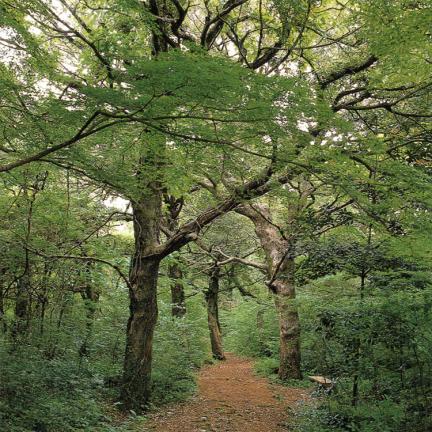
230, 399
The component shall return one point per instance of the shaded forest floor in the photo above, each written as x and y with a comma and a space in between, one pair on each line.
231, 399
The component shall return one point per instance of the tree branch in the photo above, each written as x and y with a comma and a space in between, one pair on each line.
349, 70
81, 134
84, 258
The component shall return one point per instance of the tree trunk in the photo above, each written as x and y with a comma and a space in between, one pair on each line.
211, 297
143, 278
22, 304
2, 308
289, 324
177, 290
175, 273
91, 300
139, 340
281, 275
22, 301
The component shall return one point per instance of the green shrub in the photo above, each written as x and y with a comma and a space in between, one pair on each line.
251, 329
181, 346
382, 345
47, 386
46, 395
267, 366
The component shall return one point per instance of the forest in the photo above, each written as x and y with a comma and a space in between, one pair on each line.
215, 215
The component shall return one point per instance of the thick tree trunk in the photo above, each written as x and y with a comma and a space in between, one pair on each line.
281, 272
289, 325
211, 297
139, 341
143, 280
177, 291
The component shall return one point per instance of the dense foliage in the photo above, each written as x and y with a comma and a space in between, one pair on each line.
375, 345
49, 384
172, 172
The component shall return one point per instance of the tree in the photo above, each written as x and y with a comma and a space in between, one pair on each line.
134, 92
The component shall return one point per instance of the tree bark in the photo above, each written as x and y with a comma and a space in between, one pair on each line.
177, 291
175, 273
22, 304
280, 256
90, 295
143, 308
289, 323
211, 297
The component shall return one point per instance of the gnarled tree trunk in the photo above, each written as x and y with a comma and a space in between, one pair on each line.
211, 296
281, 272
143, 280
289, 324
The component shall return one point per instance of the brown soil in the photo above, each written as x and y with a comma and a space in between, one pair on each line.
231, 399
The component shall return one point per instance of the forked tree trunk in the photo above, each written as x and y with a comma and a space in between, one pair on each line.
143, 280
211, 297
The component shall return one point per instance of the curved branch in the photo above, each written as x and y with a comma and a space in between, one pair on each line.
85, 258
349, 70
81, 134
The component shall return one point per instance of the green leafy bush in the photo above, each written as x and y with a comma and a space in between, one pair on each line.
251, 329
267, 366
377, 349
181, 346
46, 395
46, 385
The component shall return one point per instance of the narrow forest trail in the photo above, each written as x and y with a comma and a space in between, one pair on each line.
230, 399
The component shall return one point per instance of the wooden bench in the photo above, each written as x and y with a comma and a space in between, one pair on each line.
322, 381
